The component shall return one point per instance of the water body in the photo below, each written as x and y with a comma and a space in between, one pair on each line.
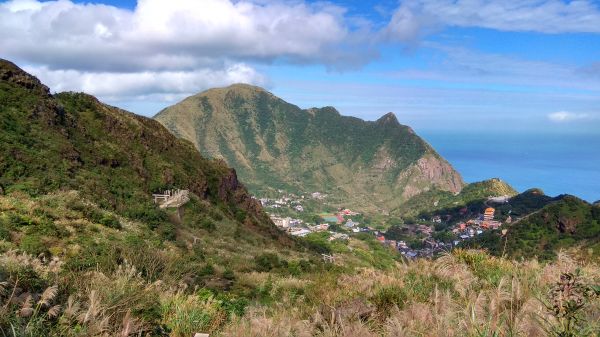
555, 162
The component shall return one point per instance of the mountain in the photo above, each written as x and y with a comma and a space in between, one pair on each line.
437, 202
567, 222
71, 141
274, 144
462, 208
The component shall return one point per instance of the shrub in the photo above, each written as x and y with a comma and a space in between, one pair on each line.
267, 261
207, 270
110, 221
388, 297
34, 245
4, 233
228, 274
93, 255
167, 231
240, 215
216, 215
208, 224
18, 220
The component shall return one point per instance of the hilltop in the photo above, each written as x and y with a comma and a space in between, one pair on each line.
549, 225
273, 144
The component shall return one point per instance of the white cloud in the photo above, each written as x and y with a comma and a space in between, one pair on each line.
159, 84
565, 116
188, 33
170, 47
543, 16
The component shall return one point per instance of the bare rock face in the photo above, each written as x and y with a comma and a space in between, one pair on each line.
440, 173
429, 171
567, 225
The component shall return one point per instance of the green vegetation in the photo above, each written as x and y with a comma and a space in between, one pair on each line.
472, 196
85, 252
569, 222
275, 145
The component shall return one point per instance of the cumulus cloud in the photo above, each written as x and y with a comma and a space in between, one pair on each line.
161, 84
186, 33
172, 46
566, 116
183, 46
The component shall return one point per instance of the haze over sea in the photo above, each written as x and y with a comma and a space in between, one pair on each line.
555, 162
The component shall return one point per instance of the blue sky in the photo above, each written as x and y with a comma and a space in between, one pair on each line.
526, 64
443, 66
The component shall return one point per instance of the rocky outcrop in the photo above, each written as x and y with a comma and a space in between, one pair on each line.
567, 225
10, 73
440, 173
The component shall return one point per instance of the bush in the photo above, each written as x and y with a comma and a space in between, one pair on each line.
4, 233
268, 261
207, 270
110, 221
33, 244
240, 215
388, 297
167, 231
148, 214
94, 255
18, 220
228, 274
208, 224
216, 215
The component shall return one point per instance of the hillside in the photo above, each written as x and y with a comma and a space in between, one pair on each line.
472, 205
565, 223
436, 202
84, 251
274, 144
113, 157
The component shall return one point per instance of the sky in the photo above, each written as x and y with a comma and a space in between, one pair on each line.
503, 66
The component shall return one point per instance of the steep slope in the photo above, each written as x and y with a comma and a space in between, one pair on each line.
566, 223
71, 141
274, 144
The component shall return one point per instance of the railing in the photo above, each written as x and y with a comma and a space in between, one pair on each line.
172, 198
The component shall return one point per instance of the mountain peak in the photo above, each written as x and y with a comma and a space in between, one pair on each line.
388, 118
241, 88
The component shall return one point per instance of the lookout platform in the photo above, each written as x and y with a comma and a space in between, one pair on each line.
172, 198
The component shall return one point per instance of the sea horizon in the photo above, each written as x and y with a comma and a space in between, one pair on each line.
558, 162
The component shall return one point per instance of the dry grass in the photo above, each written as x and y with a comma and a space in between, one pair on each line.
473, 295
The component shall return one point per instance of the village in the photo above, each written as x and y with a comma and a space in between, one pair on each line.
414, 240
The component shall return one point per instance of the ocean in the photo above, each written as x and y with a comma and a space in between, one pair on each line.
555, 162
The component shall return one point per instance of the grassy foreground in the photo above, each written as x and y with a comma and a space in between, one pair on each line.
75, 276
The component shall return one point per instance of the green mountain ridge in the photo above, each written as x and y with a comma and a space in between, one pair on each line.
273, 144
564, 222
436, 201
